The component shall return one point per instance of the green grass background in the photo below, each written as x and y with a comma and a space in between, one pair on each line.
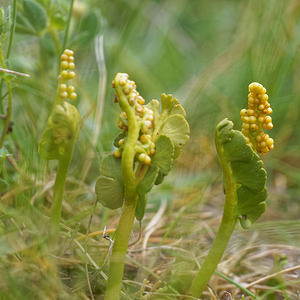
203, 52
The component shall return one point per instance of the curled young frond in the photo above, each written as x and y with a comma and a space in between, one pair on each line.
256, 119
153, 135
61, 132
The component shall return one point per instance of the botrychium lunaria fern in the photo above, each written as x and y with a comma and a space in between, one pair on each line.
244, 176
62, 130
256, 118
151, 138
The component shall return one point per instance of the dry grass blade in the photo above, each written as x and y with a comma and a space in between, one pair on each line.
272, 275
14, 72
155, 223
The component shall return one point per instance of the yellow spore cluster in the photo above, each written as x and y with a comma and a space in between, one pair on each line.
67, 73
256, 118
145, 116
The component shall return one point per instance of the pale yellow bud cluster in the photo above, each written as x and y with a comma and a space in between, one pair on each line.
145, 117
256, 118
67, 66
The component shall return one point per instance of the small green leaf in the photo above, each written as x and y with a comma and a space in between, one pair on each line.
160, 178
111, 167
250, 174
170, 106
147, 182
109, 192
109, 186
246, 170
177, 129
178, 110
143, 188
163, 158
167, 103
234, 152
251, 205
91, 23
35, 14
24, 26
245, 163
170, 121
58, 20
88, 29
140, 207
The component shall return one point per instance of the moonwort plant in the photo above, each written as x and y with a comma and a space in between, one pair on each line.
244, 176
62, 130
151, 137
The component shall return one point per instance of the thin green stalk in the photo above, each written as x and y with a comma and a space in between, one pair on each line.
117, 260
277, 288
226, 228
8, 114
12, 28
57, 45
11, 36
2, 61
60, 135
9, 107
236, 284
1, 96
59, 188
56, 41
116, 266
68, 24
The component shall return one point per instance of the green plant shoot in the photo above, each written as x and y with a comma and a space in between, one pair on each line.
244, 176
6, 77
62, 130
151, 137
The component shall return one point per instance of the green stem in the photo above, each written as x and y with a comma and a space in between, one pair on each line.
56, 41
12, 28
1, 96
11, 36
226, 228
117, 260
57, 45
68, 24
9, 107
2, 61
8, 114
236, 284
59, 188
